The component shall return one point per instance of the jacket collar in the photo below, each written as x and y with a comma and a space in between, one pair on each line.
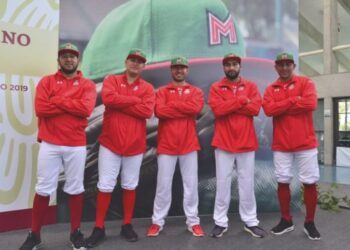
280, 83
225, 82
136, 82
77, 77
171, 85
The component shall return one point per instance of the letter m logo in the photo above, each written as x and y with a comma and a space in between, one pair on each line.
218, 28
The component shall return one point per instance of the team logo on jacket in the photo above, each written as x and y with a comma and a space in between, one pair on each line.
172, 91
135, 88
291, 86
123, 85
59, 82
76, 83
234, 89
240, 88
276, 89
187, 91
224, 88
219, 28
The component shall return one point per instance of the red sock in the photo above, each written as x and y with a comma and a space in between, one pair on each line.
76, 210
284, 199
103, 201
40, 206
310, 200
129, 197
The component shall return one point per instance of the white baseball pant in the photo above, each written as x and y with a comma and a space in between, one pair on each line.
306, 162
51, 159
225, 163
109, 166
189, 172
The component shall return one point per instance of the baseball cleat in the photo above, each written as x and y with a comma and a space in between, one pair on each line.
255, 231
196, 230
128, 233
77, 240
283, 227
97, 236
154, 230
218, 231
311, 231
32, 242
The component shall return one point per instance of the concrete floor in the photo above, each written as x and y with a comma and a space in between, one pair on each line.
334, 228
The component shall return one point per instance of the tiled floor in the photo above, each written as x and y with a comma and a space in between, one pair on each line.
333, 174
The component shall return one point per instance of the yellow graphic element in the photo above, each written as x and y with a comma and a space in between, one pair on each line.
9, 196
35, 152
54, 4
19, 9
2, 141
38, 14
3, 6
29, 43
16, 124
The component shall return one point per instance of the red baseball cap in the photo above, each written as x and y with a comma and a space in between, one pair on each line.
231, 56
137, 53
70, 48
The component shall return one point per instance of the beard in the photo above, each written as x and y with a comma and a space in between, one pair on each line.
286, 75
232, 75
179, 79
69, 71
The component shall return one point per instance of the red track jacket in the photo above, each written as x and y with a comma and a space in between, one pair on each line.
177, 108
291, 104
62, 106
124, 120
234, 106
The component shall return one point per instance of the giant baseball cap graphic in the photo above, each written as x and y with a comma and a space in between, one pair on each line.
163, 29
204, 31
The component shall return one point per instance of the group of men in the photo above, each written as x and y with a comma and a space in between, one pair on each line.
66, 99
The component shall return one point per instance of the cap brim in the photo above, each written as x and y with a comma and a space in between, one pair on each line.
74, 52
178, 64
138, 57
284, 60
234, 58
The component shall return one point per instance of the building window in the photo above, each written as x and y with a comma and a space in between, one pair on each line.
342, 48
318, 117
343, 126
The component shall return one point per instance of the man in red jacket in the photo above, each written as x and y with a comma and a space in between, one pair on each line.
63, 102
177, 105
235, 101
290, 100
129, 101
